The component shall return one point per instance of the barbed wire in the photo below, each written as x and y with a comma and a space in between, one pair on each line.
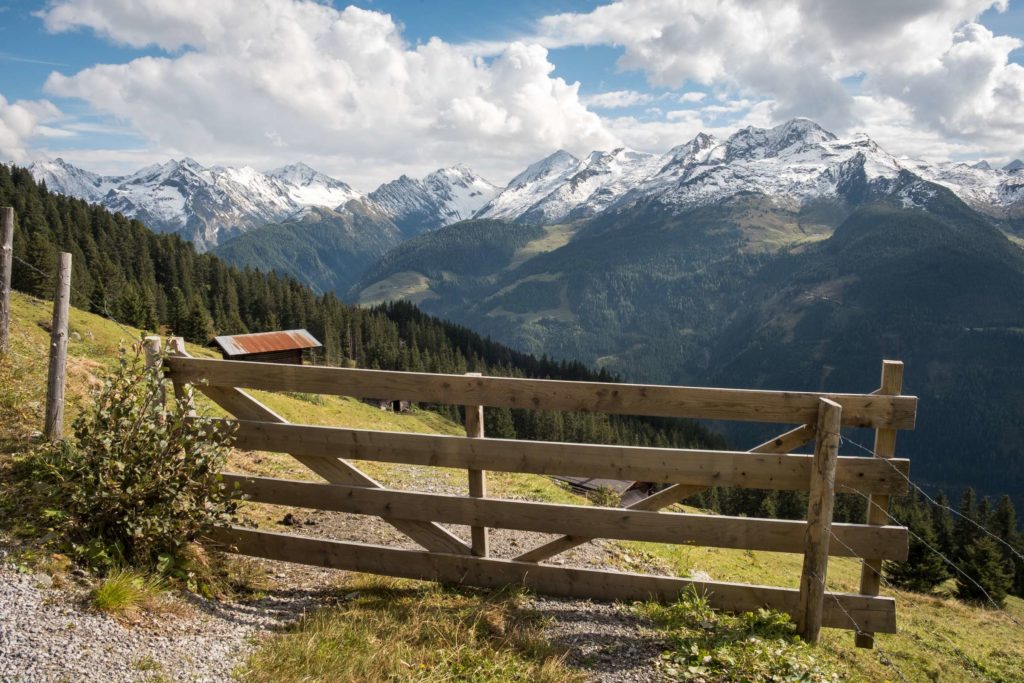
931, 500
106, 311
937, 552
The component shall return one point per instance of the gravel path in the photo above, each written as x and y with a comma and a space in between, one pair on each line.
49, 634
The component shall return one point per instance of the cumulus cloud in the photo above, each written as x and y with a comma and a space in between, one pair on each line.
21, 120
291, 79
952, 74
270, 81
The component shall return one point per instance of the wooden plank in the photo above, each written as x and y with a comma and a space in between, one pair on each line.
6, 267
860, 410
878, 507
775, 535
784, 443
819, 530
661, 465
54, 421
334, 470
477, 478
877, 613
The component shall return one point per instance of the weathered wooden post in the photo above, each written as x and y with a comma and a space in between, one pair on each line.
177, 348
151, 347
477, 478
878, 505
6, 264
54, 426
820, 505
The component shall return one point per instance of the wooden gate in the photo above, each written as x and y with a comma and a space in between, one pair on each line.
447, 558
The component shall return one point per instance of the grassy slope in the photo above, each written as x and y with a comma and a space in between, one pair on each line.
939, 637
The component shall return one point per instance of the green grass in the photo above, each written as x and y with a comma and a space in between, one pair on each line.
402, 631
126, 592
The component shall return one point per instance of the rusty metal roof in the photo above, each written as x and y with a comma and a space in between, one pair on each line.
264, 342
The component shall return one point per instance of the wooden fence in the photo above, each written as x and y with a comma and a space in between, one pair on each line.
446, 557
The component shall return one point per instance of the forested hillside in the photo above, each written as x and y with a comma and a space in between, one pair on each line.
747, 293
124, 271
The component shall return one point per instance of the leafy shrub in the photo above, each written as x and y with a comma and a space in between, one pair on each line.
706, 646
139, 480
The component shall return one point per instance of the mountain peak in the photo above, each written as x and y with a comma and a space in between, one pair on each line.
758, 143
982, 165
1014, 165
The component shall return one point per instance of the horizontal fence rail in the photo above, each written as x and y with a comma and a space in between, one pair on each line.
854, 540
661, 465
859, 410
841, 610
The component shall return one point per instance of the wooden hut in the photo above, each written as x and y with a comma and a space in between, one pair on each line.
629, 492
286, 346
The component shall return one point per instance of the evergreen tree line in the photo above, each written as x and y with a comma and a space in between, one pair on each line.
995, 566
158, 282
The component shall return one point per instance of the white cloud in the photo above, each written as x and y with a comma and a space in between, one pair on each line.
953, 75
264, 82
618, 99
21, 120
293, 79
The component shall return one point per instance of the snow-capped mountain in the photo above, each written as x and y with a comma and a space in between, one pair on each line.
62, 177
446, 196
594, 184
531, 186
309, 187
996, 191
205, 205
792, 164
210, 205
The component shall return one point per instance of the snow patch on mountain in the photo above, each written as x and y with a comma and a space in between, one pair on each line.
531, 186
308, 187
62, 177
446, 196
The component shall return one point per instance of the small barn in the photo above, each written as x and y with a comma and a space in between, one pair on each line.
629, 492
286, 346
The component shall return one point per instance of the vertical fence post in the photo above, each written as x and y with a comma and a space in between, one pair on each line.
177, 348
54, 426
477, 478
6, 264
878, 507
820, 505
151, 347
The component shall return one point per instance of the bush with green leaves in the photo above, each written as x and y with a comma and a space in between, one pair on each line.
139, 480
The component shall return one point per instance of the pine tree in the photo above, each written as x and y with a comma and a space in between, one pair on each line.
923, 569
983, 562
1004, 525
942, 523
964, 526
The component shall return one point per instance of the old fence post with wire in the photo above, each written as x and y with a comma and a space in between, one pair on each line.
878, 504
6, 265
54, 424
441, 555
820, 505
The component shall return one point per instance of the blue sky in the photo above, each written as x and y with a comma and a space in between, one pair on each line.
650, 74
